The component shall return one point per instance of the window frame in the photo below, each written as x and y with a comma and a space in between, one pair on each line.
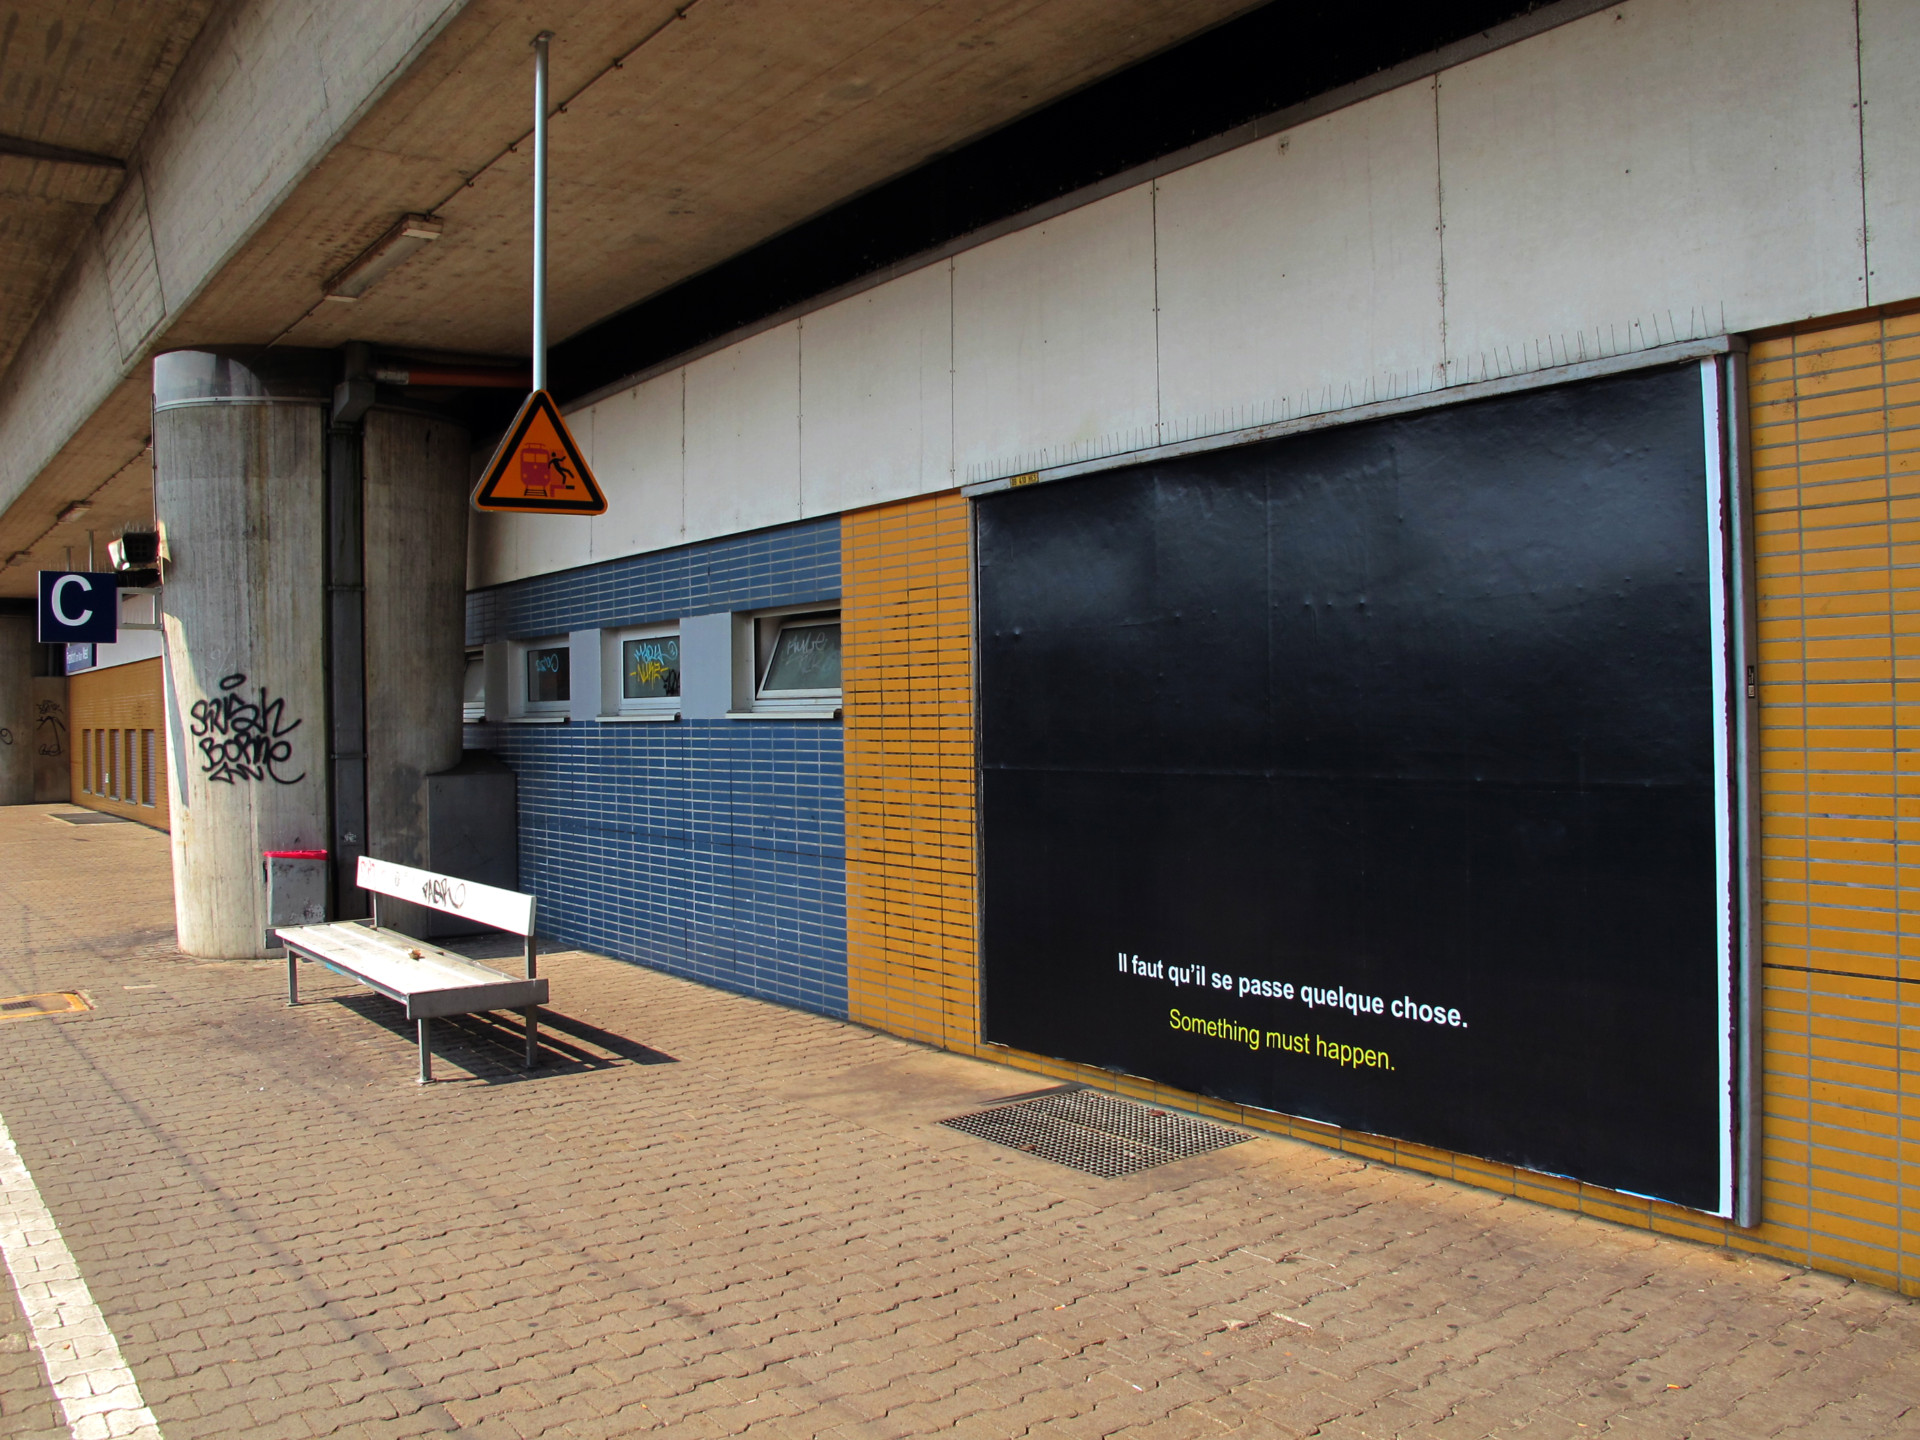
759, 637
474, 712
807, 699
524, 706
614, 701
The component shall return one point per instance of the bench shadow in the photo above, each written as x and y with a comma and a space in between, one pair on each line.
491, 1045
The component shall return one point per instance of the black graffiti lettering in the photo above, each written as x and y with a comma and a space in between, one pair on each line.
441, 891
51, 727
242, 739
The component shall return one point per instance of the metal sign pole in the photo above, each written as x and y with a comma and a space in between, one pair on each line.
540, 209
538, 468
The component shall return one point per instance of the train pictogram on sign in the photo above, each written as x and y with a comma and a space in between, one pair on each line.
543, 473
538, 468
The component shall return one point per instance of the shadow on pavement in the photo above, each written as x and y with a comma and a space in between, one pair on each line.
490, 1044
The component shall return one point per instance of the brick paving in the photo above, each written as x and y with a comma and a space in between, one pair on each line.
711, 1216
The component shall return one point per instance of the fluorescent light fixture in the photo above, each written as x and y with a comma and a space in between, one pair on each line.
392, 250
74, 511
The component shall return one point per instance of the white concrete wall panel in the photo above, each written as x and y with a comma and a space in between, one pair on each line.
1890, 138
743, 435
542, 544
133, 645
1053, 340
1301, 273
636, 451
1661, 170
1665, 169
489, 551
502, 546
876, 395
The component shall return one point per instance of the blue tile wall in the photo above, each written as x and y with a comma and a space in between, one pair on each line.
790, 566
714, 849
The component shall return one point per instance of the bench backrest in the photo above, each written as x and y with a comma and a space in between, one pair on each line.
503, 909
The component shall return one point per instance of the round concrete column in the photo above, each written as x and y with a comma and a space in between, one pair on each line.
238, 443
415, 497
16, 709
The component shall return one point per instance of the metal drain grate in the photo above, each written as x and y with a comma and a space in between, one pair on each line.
91, 817
32, 1007
1092, 1131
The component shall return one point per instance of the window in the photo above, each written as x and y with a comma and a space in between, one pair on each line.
641, 674
146, 767
545, 683
86, 761
797, 663
473, 693
805, 660
106, 742
547, 675
650, 668
129, 776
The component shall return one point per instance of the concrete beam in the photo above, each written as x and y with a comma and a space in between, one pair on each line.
297, 131
268, 89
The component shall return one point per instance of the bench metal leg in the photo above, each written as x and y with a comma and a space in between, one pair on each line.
293, 978
426, 1055
532, 1012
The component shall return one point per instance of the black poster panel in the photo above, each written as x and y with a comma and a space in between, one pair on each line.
1368, 776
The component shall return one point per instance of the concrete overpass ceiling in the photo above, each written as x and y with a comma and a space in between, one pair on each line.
1209, 90
690, 132
79, 79
714, 162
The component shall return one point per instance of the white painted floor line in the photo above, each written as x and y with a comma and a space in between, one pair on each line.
84, 1365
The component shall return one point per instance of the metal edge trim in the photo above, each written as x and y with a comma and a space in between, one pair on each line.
1725, 787
1378, 410
316, 401
1748, 1208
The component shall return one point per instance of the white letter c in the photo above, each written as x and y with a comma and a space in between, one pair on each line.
54, 600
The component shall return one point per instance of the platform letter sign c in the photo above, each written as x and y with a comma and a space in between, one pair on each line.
77, 606
60, 616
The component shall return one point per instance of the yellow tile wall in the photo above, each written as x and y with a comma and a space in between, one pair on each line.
119, 699
907, 676
1835, 414
1836, 461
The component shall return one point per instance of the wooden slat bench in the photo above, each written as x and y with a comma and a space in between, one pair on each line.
428, 980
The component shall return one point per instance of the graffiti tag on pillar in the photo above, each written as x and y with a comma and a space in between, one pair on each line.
6, 736
50, 729
242, 739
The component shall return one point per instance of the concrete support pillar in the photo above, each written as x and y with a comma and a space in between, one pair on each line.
16, 709
415, 499
238, 456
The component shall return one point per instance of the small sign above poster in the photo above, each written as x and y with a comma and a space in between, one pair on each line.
538, 469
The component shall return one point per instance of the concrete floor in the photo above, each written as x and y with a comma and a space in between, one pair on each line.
712, 1216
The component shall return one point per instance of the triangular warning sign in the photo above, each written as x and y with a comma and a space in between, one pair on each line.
538, 469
